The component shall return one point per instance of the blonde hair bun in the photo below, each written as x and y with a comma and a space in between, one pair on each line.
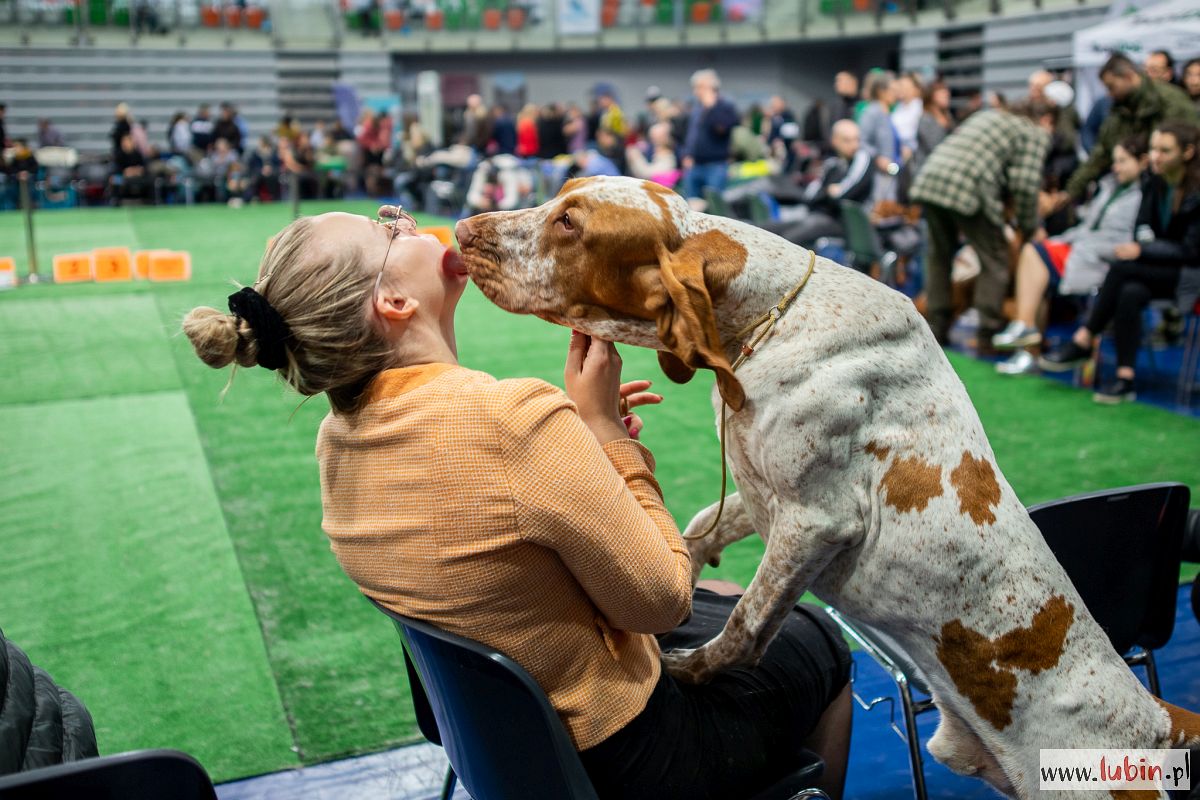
218, 339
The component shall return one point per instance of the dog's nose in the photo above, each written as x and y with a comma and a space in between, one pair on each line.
464, 234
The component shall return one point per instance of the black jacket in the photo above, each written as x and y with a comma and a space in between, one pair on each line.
1175, 240
855, 179
40, 723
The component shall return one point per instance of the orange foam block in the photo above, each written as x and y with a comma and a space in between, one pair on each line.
8, 272
444, 234
112, 264
72, 267
170, 265
141, 262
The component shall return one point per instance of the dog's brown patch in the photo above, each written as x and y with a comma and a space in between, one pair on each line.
1185, 725
978, 491
911, 483
983, 669
878, 451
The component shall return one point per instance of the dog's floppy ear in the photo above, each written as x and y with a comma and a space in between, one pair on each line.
686, 324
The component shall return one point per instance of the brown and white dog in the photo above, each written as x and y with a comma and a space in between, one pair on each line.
859, 459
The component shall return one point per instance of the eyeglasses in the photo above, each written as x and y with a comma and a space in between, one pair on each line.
398, 217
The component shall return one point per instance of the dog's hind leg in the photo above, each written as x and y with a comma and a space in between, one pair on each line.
960, 750
704, 545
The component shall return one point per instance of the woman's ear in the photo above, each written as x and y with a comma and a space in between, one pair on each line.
395, 307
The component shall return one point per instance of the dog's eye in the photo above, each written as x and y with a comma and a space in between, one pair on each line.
565, 219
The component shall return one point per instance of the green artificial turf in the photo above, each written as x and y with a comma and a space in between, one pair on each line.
119, 579
317, 668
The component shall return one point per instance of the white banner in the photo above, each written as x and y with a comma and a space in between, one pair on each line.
579, 17
1097, 770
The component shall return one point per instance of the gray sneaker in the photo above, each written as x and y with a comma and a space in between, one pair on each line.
1021, 362
1017, 334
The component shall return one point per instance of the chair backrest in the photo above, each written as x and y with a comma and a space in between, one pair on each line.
861, 239
149, 774
504, 739
1121, 549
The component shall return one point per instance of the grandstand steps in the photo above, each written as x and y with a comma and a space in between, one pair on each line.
305, 82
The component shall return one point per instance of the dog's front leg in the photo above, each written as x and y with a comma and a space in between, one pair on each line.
796, 552
705, 548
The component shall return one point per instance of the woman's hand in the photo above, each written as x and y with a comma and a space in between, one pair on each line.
1129, 251
593, 382
634, 394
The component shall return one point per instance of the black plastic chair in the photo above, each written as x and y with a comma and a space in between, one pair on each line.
503, 738
1120, 547
138, 775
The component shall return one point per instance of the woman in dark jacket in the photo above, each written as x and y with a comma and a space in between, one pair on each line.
1168, 240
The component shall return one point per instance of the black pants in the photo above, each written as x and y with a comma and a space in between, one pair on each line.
1126, 290
735, 735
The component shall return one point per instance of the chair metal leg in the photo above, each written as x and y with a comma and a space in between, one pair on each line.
450, 783
1141, 657
806, 794
913, 739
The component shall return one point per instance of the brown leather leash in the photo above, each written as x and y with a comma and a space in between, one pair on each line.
767, 320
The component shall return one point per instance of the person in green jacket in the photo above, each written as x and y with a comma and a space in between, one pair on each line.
1139, 104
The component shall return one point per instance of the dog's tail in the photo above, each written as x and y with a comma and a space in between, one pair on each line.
1185, 725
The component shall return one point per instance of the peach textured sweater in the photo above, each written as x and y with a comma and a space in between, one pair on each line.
488, 508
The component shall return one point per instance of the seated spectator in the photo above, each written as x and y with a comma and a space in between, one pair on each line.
48, 135
23, 164
654, 160
1076, 261
202, 133
129, 172
1166, 240
847, 175
226, 128
297, 159
261, 181
179, 135
499, 183
559, 542
610, 145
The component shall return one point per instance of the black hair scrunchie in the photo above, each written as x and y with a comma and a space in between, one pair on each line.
270, 329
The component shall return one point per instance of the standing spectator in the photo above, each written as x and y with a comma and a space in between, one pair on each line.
845, 104
878, 133
226, 128
202, 132
141, 139
610, 114
1167, 239
1138, 106
936, 123
962, 186
575, 129
122, 125
317, 136
3, 133
23, 164
612, 147
706, 149
552, 141
504, 131
1160, 66
527, 132
906, 115
288, 128
477, 125
781, 134
374, 138
1191, 82
224, 166
179, 134
48, 135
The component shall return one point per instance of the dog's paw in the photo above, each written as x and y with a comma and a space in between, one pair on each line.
689, 666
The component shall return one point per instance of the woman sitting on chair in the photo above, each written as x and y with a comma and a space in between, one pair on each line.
1076, 261
520, 516
1168, 239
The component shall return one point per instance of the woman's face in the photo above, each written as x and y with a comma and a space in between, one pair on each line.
1165, 153
1191, 80
1125, 166
418, 266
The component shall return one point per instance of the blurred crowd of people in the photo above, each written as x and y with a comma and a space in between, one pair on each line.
1044, 200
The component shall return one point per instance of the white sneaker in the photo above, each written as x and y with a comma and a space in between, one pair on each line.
1017, 334
1021, 362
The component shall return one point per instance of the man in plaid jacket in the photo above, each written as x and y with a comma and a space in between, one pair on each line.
993, 160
